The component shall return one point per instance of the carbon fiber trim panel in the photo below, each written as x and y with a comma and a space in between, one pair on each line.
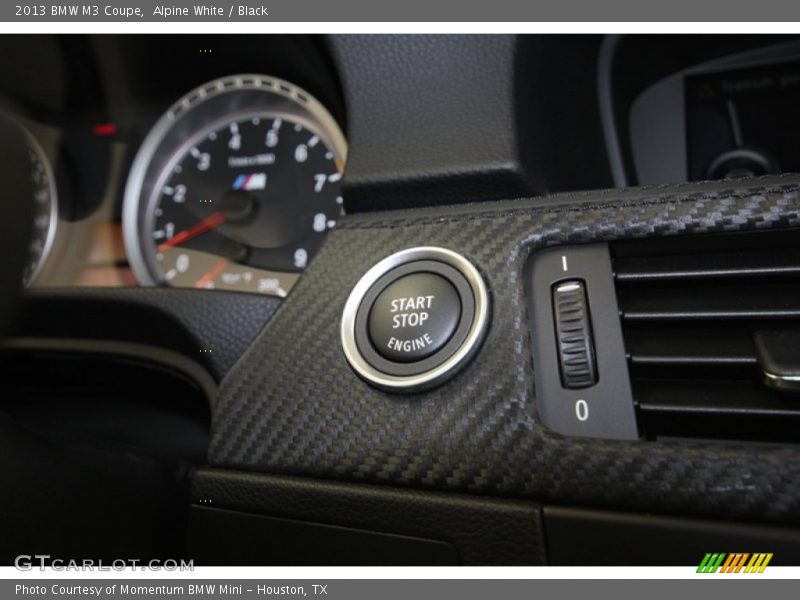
293, 405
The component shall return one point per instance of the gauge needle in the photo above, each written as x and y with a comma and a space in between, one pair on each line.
210, 222
214, 272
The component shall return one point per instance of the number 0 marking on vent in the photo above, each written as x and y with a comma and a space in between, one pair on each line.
581, 410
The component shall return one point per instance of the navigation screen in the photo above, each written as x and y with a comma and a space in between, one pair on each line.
743, 122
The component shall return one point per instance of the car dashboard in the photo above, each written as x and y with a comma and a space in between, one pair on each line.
405, 299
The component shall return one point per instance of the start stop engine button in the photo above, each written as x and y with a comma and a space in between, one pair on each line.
414, 317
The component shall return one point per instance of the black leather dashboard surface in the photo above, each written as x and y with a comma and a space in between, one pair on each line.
484, 530
292, 405
421, 132
212, 329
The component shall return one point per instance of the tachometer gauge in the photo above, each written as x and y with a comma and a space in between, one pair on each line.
45, 211
234, 188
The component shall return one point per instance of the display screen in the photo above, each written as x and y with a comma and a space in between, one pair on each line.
743, 122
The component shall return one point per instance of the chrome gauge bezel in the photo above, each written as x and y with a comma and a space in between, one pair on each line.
195, 115
52, 225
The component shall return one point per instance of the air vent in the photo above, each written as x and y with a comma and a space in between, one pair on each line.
712, 334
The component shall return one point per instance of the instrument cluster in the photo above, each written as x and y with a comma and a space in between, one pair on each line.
233, 187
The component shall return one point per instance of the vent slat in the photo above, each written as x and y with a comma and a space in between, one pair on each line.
757, 263
689, 309
713, 397
690, 348
710, 303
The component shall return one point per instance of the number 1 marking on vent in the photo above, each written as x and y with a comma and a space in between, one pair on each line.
564, 262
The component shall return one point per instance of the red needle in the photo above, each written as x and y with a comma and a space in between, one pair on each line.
212, 273
210, 222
